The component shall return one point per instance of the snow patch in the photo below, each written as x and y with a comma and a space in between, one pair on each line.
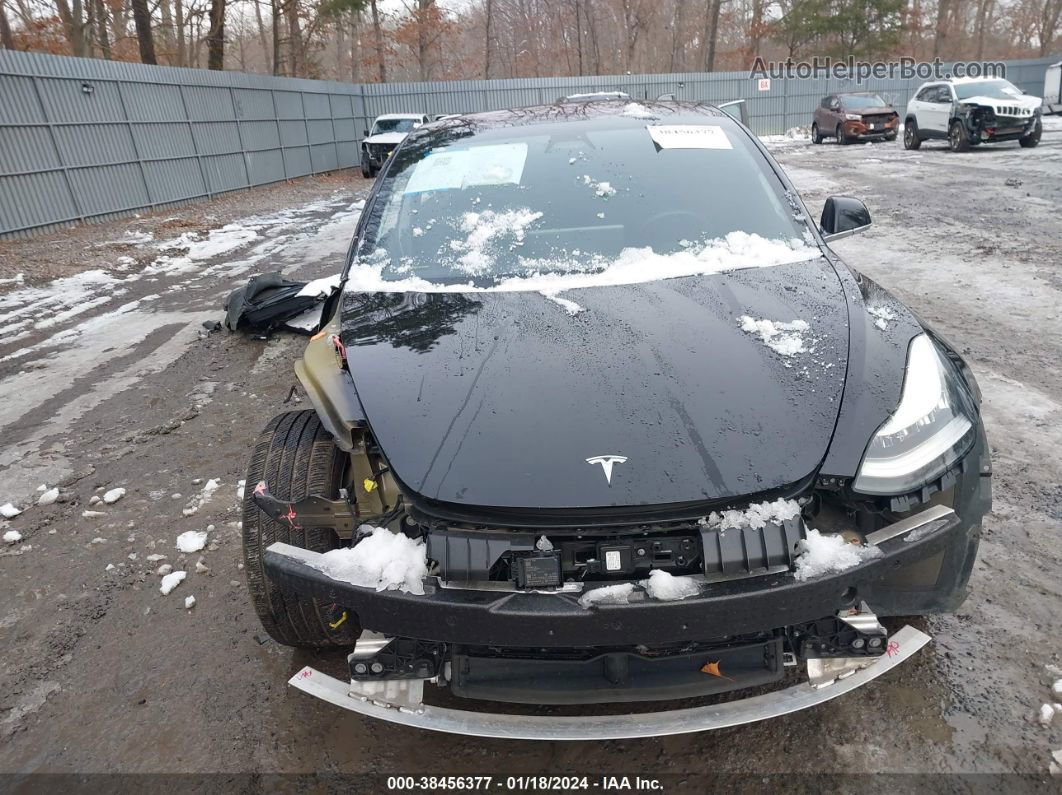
666, 587
171, 581
882, 314
570, 307
483, 229
756, 516
321, 288
112, 496
544, 545
9, 511
191, 541
1047, 714
383, 560
603, 190
49, 496
636, 111
12, 537
820, 554
785, 339
189, 602
609, 595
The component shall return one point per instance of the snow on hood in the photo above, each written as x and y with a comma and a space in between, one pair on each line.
738, 250
386, 138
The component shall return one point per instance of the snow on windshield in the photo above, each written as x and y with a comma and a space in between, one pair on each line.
736, 251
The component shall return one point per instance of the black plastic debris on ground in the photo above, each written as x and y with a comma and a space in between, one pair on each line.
269, 302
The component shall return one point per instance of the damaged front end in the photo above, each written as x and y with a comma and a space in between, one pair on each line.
992, 123
523, 637
504, 615
510, 609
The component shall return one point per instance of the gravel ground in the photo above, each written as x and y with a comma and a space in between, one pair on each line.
112, 381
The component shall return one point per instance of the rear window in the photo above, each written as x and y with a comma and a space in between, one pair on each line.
457, 206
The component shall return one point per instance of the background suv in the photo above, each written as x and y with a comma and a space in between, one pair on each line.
967, 112
854, 117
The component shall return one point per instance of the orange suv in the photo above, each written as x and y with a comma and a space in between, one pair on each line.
854, 117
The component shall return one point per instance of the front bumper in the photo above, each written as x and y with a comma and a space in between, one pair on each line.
923, 568
863, 131
401, 702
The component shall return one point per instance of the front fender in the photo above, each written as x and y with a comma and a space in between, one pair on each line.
324, 376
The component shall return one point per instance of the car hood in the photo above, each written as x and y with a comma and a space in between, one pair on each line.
1000, 105
498, 399
386, 138
878, 111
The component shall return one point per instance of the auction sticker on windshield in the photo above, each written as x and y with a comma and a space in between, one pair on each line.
689, 136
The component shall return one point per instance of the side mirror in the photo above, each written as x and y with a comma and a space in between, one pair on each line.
364, 133
843, 216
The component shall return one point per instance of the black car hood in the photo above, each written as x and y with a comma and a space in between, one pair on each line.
498, 399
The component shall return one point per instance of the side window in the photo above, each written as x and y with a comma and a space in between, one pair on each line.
924, 94
944, 94
825, 102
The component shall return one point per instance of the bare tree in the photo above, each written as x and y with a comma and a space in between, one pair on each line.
7, 41
73, 19
1049, 18
711, 33
144, 37
377, 34
216, 36
101, 30
486, 40
267, 50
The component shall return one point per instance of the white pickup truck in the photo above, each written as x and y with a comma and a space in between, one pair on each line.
387, 133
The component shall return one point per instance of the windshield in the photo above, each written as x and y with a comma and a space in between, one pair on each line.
873, 101
459, 206
993, 89
393, 125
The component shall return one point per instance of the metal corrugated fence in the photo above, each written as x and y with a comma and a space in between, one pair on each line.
84, 139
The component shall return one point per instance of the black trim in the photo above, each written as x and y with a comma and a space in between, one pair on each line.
557, 620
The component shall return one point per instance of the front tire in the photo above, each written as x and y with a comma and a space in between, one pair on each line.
366, 166
816, 136
842, 139
958, 138
911, 139
1033, 138
296, 457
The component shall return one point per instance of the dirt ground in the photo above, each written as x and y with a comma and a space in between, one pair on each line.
113, 381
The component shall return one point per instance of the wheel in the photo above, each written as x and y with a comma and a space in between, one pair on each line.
816, 137
1033, 138
296, 457
366, 166
958, 138
839, 132
911, 138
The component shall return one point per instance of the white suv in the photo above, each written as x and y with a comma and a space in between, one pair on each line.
388, 131
970, 111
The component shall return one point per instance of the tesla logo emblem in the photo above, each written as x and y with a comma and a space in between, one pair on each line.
606, 462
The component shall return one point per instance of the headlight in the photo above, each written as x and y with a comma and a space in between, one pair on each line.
931, 429
853, 117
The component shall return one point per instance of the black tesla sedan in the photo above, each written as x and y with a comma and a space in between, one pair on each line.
598, 416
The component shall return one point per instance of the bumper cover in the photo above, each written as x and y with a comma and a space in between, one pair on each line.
555, 619
411, 711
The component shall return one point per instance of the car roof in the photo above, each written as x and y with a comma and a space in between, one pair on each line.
663, 111
387, 116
